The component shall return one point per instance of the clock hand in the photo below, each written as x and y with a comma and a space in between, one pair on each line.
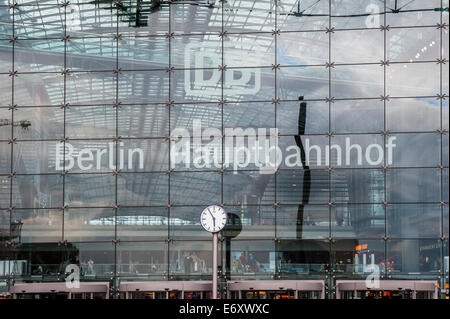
214, 219
211, 214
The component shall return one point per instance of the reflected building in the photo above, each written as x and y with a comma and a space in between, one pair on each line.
97, 98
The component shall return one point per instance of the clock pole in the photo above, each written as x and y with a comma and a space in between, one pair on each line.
214, 270
222, 218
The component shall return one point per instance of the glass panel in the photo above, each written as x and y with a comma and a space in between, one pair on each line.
40, 55
357, 221
196, 51
30, 19
445, 178
37, 225
136, 121
146, 19
445, 80
141, 260
406, 115
297, 15
190, 260
406, 13
302, 48
198, 153
251, 259
89, 224
254, 116
32, 89
413, 79
200, 188
200, 85
359, 257
248, 188
415, 150
444, 39
37, 191
249, 84
185, 223
89, 190
42, 261
313, 149
7, 227
413, 221
6, 21
5, 158
6, 89
97, 54
38, 123
142, 223
289, 116
445, 221
359, 151
254, 221
91, 88
356, 14
5, 191
143, 53
302, 186
357, 116
445, 145
357, 186
131, 85
185, 116
302, 221
367, 46
413, 185
96, 260
144, 155
308, 258
413, 257
143, 189
307, 82
208, 18
357, 81
90, 122
412, 44
249, 16
38, 157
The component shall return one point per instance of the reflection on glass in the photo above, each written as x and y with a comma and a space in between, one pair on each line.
142, 260
412, 257
190, 259
413, 221
252, 259
358, 221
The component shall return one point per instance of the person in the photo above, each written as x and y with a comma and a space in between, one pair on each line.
195, 262
251, 259
153, 267
437, 263
40, 270
243, 260
187, 261
252, 263
90, 267
235, 265
133, 268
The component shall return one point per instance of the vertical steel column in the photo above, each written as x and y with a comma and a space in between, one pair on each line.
214, 270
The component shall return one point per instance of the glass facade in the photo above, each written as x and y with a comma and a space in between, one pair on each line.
116, 119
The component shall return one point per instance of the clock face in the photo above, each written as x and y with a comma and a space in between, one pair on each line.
213, 218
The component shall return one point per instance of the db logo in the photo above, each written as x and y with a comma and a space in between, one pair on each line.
203, 76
